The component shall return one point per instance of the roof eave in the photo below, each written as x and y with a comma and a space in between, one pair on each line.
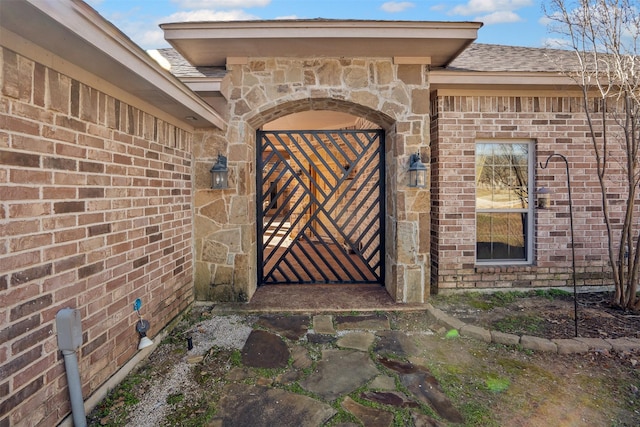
74, 32
210, 43
532, 81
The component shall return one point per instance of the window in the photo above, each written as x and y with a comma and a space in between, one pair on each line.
504, 229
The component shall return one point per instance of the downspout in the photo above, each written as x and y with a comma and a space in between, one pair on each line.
69, 341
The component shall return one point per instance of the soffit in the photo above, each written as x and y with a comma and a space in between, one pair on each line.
77, 34
211, 43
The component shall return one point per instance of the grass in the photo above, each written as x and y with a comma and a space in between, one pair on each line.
487, 301
114, 409
519, 324
490, 384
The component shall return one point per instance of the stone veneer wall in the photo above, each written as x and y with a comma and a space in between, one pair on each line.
395, 97
95, 211
556, 125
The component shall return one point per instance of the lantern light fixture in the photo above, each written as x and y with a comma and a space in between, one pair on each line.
544, 197
417, 172
219, 173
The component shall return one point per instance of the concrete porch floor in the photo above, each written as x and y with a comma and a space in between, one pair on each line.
319, 298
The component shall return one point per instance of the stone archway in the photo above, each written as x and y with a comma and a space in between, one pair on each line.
390, 95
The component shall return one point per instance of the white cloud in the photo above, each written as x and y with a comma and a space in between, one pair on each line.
474, 7
220, 4
287, 17
209, 15
499, 18
556, 43
396, 6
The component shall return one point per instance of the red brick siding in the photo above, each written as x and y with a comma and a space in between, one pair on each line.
95, 211
555, 125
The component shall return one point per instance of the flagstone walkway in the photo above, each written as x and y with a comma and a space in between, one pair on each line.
351, 353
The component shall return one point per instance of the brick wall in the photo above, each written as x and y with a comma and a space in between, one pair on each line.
95, 211
555, 125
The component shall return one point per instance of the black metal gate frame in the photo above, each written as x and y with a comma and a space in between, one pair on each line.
354, 264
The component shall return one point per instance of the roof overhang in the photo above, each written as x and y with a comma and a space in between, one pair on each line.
211, 43
72, 32
498, 80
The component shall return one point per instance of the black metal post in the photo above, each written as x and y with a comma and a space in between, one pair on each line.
573, 251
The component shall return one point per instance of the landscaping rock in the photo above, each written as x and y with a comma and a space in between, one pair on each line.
568, 346
476, 332
623, 344
506, 339
595, 344
538, 344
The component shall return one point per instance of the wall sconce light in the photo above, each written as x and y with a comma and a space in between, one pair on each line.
219, 173
544, 197
417, 172
142, 326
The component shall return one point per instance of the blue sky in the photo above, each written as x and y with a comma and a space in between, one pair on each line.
512, 22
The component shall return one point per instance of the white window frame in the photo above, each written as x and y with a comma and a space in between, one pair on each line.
530, 211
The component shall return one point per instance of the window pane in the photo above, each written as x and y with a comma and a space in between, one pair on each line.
502, 176
501, 236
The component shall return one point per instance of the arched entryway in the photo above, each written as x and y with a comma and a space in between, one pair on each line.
390, 97
320, 206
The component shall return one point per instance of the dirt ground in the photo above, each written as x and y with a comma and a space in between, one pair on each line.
491, 385
544, 315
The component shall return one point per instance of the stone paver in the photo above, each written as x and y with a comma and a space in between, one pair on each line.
265, 350
291, 327
421, 420
357, 340
323, 324
369, 322
395, 342
244, 405
392, 398
339, 372
254, 400
383, 382
301, 359
370, 417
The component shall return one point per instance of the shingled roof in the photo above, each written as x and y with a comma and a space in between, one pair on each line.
495, 58
477, 57
182, 69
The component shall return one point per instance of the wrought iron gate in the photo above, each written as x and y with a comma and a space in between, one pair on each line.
320, 210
